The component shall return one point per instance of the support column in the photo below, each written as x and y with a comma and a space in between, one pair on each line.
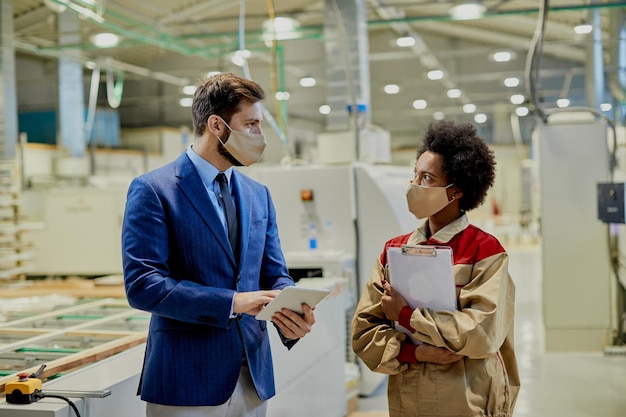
8, 112
71, 90
595, 64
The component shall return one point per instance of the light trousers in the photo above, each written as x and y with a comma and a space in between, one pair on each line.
243, 403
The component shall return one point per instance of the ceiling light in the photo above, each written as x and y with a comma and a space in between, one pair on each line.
280, 28
511, 82
522, 111
105, 40
517, 99
439, 115
480, 118
239, 57
282, 95
467, 10
503, 56
186, 102
454, 93
308, 81
562, 102
420, 104
606, 106
54, 6
469, 108
405, 41
189, 90
583, 29
392, 89
435, 75
324, 109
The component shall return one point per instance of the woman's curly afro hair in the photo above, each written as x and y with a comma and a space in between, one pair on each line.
467, 160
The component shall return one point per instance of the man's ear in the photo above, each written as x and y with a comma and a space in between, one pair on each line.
215, 125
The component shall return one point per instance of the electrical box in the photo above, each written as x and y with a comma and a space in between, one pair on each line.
611, 207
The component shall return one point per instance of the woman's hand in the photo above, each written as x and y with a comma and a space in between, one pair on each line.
392, 302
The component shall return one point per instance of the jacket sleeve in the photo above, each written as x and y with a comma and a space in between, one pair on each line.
487, 308
374, 338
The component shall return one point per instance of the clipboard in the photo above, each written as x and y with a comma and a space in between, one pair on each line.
424, 277
292, 298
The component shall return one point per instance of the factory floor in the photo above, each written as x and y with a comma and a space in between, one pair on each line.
553, 384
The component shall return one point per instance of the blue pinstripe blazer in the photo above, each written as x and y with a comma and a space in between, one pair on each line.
179, 266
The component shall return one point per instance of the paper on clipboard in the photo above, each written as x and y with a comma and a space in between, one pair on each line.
424, 276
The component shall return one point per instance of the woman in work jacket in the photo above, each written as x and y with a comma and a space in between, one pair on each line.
463, 362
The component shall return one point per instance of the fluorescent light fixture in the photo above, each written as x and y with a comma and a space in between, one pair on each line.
518, 98
392, 89
562, 102
435, 75
308, 81
522, 111
90, 65
469, 108
405, 41
606, 106
189, 90
186, 102
468, 10
324, 109
511, 82
480, 118
439, 115
420, 104
502, 56
105, 40
454, 93
282, 95
583, 29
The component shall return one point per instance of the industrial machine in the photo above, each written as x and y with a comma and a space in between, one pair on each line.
573, 157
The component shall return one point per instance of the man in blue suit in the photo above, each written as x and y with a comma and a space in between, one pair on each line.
203, 271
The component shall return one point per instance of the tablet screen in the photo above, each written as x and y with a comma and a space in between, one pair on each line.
292, 298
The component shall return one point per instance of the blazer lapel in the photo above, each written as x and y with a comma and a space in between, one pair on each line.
191, 186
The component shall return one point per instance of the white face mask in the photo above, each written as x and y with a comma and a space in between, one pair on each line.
245, 147
425, 201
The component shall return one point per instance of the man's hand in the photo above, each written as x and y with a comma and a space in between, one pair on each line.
434, 354
252, 302
392, 302
293, 325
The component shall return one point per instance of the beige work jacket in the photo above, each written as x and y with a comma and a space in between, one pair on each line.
486, 381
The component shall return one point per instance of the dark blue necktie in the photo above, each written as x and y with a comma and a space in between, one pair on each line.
229, 210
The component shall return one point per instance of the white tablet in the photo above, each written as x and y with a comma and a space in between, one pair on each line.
292, 298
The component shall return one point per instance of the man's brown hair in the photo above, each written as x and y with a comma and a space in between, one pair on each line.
221, 94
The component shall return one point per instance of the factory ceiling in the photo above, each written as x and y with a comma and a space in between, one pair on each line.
167, 44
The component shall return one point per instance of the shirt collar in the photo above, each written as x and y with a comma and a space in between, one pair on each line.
443, 236
205, 169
